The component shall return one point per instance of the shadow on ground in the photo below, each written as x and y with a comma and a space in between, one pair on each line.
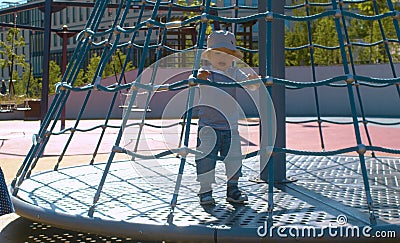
23, 230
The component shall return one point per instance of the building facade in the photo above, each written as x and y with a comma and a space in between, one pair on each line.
74, 15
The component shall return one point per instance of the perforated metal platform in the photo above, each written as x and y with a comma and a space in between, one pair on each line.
137, 195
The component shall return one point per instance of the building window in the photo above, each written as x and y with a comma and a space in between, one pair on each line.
73, 14
67, 15
61, 18
80, 14
54, 19
55, 40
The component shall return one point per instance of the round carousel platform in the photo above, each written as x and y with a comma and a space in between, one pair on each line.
135, 200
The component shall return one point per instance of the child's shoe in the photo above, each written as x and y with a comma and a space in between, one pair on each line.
206, 198
234, 195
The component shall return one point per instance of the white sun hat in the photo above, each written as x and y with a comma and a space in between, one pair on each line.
222, 40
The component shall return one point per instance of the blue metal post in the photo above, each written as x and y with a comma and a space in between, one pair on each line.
46, 59
272, 63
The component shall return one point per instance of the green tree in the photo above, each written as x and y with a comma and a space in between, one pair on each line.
86, 76
370, 32
91, 68
295, 38
33, 87
10, 59
324, 33
54, 76
28, 85
80, 79
116, 64
296, 35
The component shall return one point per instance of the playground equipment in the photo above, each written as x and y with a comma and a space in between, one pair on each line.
147, 188
9, 102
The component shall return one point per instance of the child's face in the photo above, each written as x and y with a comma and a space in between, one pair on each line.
220, 60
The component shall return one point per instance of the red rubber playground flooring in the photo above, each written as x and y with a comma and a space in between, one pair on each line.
16, 137
306, 137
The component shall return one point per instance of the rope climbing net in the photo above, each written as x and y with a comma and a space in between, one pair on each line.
148, 83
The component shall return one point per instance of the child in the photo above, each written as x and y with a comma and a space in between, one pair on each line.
218, 118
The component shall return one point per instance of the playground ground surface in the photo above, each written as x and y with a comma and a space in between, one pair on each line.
16, 139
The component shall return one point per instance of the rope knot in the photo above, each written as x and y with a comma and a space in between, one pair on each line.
116, 30
183, 152
149, 23
350, 79
361, 149
338, 14
192, 82
269, 81
269, 17
117, 149
396, 15
133, 87
269, 151
87, 32
204, 17
60, 87
47, 134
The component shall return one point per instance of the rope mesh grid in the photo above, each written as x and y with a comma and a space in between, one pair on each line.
205, 14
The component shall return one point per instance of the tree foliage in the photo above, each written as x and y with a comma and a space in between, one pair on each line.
367, 36
86, 75
11, 60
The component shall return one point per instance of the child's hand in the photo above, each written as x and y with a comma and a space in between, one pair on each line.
253, 87
203, 74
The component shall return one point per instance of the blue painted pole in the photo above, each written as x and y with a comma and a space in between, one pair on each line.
46, 60
272, 63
